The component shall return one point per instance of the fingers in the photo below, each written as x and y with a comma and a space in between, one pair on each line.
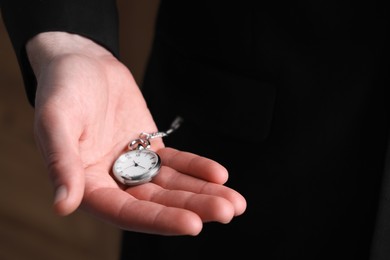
171, 179
119, 208
207, 207
209, 176
150, 208
194, 165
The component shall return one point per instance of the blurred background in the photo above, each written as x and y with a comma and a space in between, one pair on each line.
28, 227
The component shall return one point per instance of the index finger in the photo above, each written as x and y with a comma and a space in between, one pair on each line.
194, 165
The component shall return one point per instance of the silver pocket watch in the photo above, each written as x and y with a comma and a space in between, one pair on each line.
140, 164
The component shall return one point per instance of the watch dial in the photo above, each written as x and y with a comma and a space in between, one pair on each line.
138, 166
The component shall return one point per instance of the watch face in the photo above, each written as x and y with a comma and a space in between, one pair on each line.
137, 166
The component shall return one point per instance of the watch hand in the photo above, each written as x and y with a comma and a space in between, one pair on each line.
136, 165
131, 165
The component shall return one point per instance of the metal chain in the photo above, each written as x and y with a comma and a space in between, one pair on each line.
143, 141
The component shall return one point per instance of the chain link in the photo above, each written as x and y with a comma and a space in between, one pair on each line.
143, 141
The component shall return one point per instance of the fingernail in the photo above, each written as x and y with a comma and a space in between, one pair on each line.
61, 194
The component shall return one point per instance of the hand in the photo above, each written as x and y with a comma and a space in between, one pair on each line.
88, 107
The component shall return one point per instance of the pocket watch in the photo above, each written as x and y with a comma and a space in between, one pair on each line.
139, 164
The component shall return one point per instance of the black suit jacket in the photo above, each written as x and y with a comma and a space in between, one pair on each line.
300, 89
217, 48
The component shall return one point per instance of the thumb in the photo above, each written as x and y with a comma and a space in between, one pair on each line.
67, 175
61, 157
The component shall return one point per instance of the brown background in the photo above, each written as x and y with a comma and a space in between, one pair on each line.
28, 227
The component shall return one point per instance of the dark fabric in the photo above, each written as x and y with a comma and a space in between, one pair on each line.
292, 97
25, 18
248, 52
381, 240
300, 204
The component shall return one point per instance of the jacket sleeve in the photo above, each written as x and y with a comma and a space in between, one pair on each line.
23, 19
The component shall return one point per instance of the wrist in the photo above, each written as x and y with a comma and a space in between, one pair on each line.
47, 46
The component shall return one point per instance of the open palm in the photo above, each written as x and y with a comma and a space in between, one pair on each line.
87, 110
